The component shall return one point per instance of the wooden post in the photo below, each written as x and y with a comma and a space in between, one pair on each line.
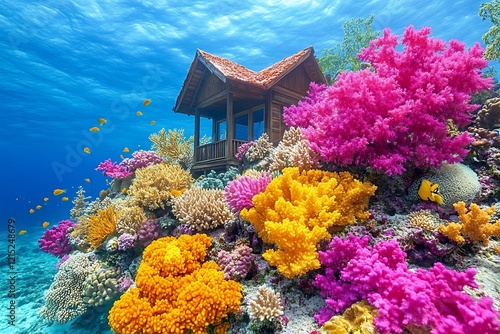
196, 134
229, 126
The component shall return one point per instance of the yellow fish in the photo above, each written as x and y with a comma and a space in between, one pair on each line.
429, 191
45, 224
86, 150
121, 156
87, 180
124, 190
45, 199
64, 199
38, 207
126, 150
94, 129
176, 192
31, 210
139, 113
146, 102
57, 192
152, 122
22, 232
101, 121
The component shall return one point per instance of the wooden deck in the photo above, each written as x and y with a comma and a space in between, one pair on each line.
217, 156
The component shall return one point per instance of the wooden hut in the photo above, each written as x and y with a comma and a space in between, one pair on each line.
241, 103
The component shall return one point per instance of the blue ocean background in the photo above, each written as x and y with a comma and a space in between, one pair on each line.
65, 64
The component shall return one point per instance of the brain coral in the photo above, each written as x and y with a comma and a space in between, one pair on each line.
152, 185
175, 291
296, 210
457, 182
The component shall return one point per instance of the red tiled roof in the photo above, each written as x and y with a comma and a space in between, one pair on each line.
264, 78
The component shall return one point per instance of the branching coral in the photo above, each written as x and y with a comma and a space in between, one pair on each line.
260, 149
101, 225
475, 224
265, 305
113, 170
239, 193
432, 298
176, 292
141, 159
293, 151
152, 185
79, 203
395, 115
130, 219
297, 209
173, 146
63, 300
201, 209
55, 240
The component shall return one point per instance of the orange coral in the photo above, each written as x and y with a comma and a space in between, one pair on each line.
176, 292
297, 209
475, 224
101, 225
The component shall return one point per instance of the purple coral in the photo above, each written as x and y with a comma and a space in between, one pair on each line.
237, 263
380, 274
55, 241
239, 192
113, 170
126, 241
149, 231
141, 159
243, 149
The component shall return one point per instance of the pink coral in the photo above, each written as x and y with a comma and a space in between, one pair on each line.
239, 192
149, 231
55, 241
113, 170
141, 159
126, 241
396, 114
237, 263
433, 298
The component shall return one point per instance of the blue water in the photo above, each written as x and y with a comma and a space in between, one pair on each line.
64, 64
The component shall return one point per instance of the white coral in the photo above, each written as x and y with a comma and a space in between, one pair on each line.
265, 305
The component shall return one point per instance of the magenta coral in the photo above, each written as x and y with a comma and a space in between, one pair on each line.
141, 159
433, 298
396, 113
113, 170
243, 149
149, 231
55, 241
237, 263
239, 192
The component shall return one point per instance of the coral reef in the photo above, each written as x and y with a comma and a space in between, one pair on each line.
398, 116
100, 226
237, 263
176, 291
141, 159
201, 209
217, 181
488, 117
457, 182
238, 193
293, 151
357, 319
173, 147
152, 185
126, 241
424, 298
100, 287
297, 209
265, 305
55, 240
79, 204
64, 300
149, 231
475, 224
113, 170
130, 219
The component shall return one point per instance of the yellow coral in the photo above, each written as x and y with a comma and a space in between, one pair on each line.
130, 219
176, 292
173, 146
297, 209
475, 224
101, 225
357, 319
152, 185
